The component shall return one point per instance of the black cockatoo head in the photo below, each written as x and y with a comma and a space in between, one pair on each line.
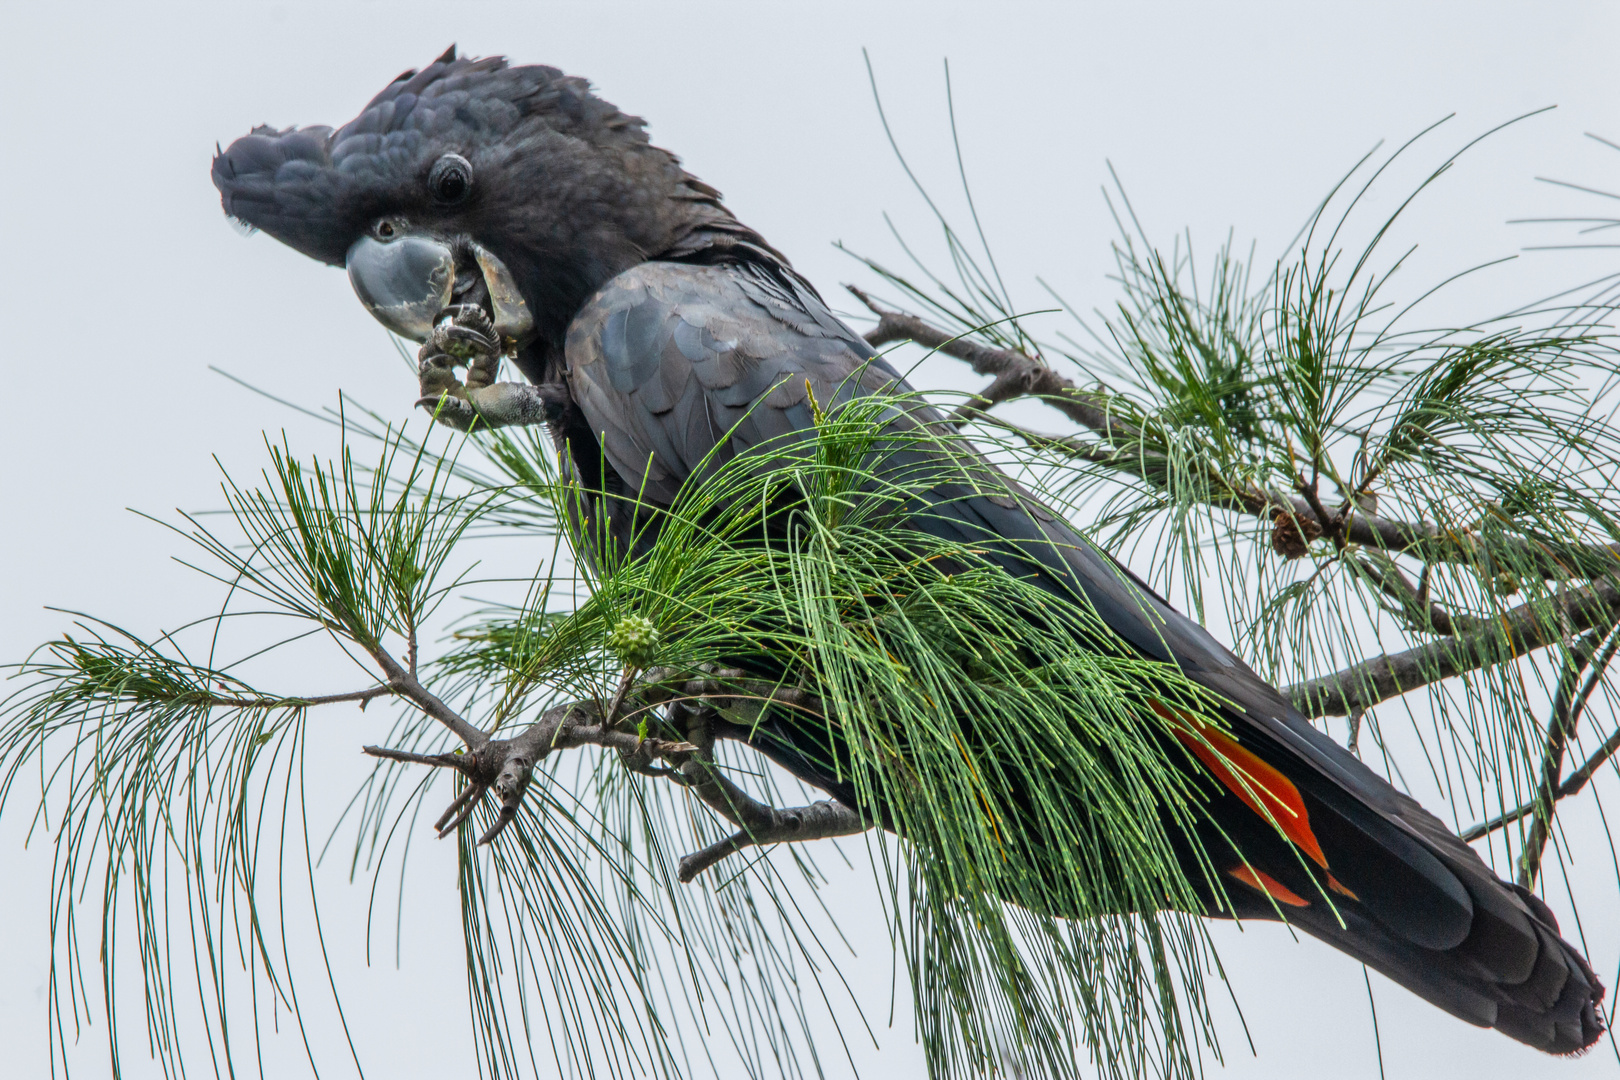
474, 182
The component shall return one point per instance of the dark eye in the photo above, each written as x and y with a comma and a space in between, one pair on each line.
451, 178
386, 229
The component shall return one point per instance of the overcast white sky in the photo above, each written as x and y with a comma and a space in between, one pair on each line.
123, 284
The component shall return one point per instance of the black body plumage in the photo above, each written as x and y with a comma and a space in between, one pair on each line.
674, 329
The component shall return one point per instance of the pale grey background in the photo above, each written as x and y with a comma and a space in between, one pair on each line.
122, 283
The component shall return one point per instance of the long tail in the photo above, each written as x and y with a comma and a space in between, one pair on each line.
1305, 832
1515, 974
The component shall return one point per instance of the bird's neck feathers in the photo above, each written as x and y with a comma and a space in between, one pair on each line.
632, 204
708, 231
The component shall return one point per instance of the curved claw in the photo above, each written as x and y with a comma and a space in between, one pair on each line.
468, 339
463, 331
465, 338
450, 408
436, 374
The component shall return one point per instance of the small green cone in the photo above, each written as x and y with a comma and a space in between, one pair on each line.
634, 641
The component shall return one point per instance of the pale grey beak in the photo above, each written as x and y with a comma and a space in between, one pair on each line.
406, 284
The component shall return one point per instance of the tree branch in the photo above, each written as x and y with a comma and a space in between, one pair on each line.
505, 766
1511, 635
1094, 410
818, 821
1011, 368
1005, 387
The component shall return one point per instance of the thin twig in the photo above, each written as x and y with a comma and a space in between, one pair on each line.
1581, 776
1572, 785
1416, 609
1330, 523
612, 712
1005, 387
223, 701
1560, 728
405, 685
1578, 779
1595, 671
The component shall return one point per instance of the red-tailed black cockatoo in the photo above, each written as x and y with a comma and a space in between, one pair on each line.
654, 328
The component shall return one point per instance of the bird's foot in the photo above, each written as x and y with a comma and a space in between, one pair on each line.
466, 338
502, 766
463, 338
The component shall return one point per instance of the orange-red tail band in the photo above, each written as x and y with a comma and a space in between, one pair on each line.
1259, 879
1261, 787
